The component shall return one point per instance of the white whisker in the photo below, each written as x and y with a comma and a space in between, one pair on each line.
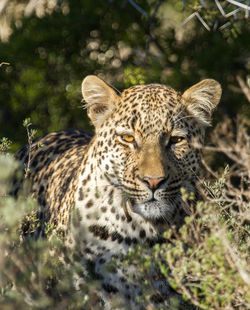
184, 117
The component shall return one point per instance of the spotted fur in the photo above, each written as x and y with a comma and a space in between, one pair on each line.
123, 185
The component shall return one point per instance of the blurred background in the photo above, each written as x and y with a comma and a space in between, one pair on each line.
47, 47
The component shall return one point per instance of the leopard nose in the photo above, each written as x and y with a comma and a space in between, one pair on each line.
153, 183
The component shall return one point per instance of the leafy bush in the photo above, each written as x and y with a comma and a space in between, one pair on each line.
34, 274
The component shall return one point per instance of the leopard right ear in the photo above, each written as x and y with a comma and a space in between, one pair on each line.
201, 100
100, 99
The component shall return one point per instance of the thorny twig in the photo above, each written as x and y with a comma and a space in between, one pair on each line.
196, 14
239, 6
217, 2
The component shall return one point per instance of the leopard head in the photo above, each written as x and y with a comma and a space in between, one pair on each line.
146, 140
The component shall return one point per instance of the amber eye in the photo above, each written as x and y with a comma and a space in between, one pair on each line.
128, 138
174, 140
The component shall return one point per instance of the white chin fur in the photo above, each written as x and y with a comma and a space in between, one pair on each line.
153, 210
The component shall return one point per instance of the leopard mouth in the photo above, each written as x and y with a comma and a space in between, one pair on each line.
153, 209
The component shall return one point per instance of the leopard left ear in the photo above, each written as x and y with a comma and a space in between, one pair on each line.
202, 98
100, 99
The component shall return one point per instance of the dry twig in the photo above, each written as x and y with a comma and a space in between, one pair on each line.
244, 87
4, 63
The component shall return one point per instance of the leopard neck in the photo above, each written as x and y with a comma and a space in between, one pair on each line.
103, 208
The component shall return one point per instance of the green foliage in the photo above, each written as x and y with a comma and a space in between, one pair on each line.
204, 261
33, 273
120, 44
134, 76
5, 144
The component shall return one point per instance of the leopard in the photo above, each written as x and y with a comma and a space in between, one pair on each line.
122, 185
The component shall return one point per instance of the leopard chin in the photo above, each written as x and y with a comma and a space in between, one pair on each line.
154, 209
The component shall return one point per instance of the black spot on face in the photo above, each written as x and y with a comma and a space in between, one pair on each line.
116, 236
88, 251
102, 260
80, 194
89, 204
134, 240
142, 234
104, 209
128, 241
99, 231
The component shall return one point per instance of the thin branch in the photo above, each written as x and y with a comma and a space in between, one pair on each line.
247, 11
4, 63
196, 14
209, 169
150, 25
243, 6
138, 8
156, 9
223, 12
30, 7
3, 6
244, 87
227, 24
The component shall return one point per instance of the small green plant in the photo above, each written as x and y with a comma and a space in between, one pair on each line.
5, 144
30, 134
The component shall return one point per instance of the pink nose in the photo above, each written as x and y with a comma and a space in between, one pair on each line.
153, 183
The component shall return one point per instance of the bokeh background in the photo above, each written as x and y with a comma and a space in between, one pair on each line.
49, 46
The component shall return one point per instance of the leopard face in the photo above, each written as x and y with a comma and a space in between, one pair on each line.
147, 140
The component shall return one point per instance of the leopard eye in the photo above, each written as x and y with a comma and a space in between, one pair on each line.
128, 138
175, 139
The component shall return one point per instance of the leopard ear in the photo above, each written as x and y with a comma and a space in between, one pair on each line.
99, 98
202, 98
